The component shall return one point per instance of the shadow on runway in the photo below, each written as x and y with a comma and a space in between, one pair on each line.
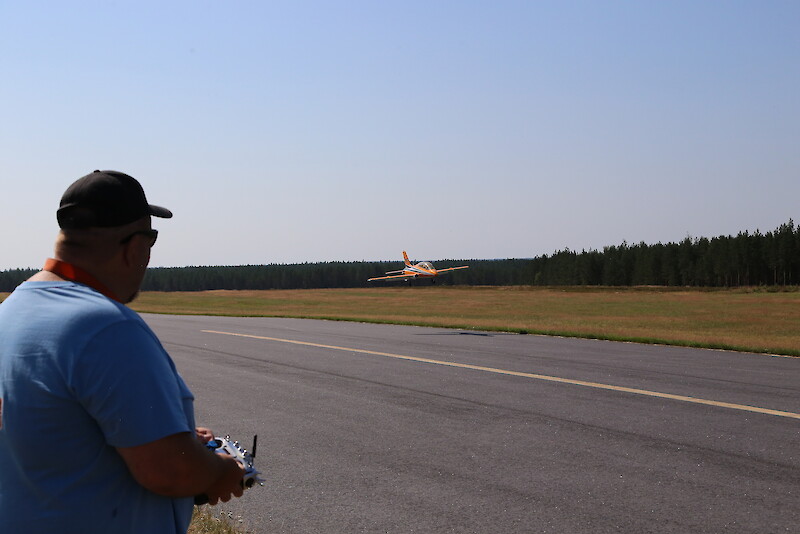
481, 334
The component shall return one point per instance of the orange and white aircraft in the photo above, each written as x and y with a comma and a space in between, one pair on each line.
423, 269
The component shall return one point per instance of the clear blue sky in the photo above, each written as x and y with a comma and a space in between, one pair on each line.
283, 132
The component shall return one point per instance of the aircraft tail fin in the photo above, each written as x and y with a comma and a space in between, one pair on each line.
405, 257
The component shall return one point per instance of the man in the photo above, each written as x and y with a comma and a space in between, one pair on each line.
97, 430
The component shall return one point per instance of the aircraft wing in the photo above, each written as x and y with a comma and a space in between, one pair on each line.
439, 271
396, 276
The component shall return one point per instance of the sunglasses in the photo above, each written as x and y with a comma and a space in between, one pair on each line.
152, 234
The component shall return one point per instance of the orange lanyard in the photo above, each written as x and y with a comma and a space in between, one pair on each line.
67, 271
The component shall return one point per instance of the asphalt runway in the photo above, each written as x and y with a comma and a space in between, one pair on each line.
396, 429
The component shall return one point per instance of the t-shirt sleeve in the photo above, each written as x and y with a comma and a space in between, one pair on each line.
129, 385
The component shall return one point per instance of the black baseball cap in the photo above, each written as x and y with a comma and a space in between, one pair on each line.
105, 199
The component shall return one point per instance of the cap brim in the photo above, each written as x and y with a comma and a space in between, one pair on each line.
158, 211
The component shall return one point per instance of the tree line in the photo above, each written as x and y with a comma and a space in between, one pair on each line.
747, 259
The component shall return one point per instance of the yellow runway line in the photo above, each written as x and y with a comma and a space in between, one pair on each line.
596, 385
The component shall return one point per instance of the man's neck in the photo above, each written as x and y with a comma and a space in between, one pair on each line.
55, 270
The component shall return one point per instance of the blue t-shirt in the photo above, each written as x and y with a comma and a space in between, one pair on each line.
81, 374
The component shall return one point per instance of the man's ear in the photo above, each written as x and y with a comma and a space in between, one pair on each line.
132, 253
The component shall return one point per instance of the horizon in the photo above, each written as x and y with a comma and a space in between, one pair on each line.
694, 239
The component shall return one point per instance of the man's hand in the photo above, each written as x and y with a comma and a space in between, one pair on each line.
229, 484
204, 435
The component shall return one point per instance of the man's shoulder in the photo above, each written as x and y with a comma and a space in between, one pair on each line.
66, 307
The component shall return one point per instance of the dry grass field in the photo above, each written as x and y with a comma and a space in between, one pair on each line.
205, 521
741, 319
757, 320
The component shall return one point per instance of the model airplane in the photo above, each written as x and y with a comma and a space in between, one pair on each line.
422, 269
